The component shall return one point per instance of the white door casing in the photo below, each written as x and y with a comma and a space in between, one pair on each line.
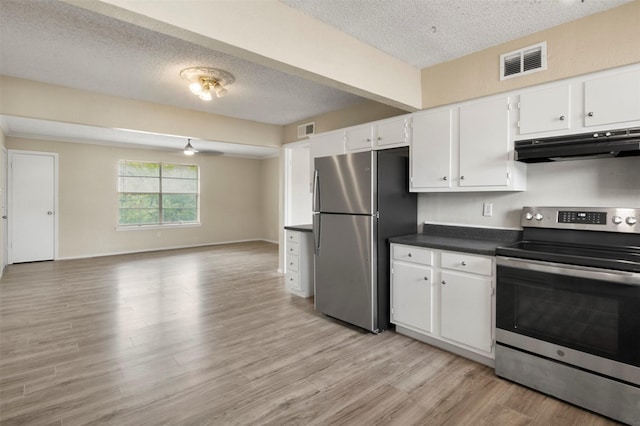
4, 199
32, 220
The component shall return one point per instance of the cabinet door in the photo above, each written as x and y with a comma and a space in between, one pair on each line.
358, 138
391, 132
545, 110
326, 145
613, 99
412, 296
466, 309
431, 150
484, 143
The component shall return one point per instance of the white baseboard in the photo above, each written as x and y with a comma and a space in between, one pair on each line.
164, 248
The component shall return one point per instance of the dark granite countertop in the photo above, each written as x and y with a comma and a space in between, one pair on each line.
461, 238
301, 228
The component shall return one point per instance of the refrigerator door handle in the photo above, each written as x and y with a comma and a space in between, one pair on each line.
316, 233
316, 191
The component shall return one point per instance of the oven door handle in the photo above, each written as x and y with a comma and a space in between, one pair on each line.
609, 275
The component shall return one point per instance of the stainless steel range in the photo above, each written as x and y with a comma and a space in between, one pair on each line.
568, 308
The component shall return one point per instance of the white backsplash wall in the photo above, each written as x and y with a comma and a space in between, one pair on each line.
611, 182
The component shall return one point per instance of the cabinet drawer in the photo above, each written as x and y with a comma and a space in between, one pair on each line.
467, 263
293, 248
293, 262
293, 280
413, 254
293, 236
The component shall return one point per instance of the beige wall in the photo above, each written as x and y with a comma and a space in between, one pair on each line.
594, 43
270, 198
231, 205
357, 114
24, 98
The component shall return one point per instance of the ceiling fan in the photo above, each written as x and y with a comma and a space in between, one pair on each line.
190, 150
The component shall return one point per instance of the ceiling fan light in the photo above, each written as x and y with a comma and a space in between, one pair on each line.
196, 87
189, 149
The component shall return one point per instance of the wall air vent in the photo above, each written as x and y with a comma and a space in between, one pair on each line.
306, 129
523, 61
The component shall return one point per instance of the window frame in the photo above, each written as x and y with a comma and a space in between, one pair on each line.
157, 225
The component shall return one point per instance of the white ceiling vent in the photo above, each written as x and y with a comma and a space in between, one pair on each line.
523, 61
306, 129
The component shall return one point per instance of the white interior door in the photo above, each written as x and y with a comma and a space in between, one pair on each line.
32, 206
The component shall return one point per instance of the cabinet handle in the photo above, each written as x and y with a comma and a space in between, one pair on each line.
409, 255
461, 177
463, 263
290, 249
291, 263
368, 140
562, 117
444, 282
426, 278
444, 178
590, 114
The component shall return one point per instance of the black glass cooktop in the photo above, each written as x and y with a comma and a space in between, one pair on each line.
624, 258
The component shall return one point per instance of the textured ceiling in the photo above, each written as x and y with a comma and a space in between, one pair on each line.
54, 42
428, 32
57, 43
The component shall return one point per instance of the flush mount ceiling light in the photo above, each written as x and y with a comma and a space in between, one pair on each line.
189, 149
204, 81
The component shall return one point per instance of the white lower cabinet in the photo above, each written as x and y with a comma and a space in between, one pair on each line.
444, 298
465, 302
299, 263
412, 296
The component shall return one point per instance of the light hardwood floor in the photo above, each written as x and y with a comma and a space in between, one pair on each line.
209, 336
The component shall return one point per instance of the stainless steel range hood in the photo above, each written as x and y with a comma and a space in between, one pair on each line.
611, 143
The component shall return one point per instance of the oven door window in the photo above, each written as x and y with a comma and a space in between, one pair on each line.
597, 317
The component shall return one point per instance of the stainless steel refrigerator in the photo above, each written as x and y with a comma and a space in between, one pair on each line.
359, 201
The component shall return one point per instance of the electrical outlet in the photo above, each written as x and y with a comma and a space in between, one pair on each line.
487, 209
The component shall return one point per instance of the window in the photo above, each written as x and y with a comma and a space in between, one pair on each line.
157, 193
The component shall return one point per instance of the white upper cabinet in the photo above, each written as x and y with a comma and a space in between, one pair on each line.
392, 132
431, 146
484, 144
326, 144
603, 101
465, 149
545, 110
612, 99
359, 138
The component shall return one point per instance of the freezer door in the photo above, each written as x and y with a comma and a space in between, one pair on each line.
345, 184
344, 273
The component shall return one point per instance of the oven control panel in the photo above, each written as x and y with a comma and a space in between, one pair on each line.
586, 217
591, 219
